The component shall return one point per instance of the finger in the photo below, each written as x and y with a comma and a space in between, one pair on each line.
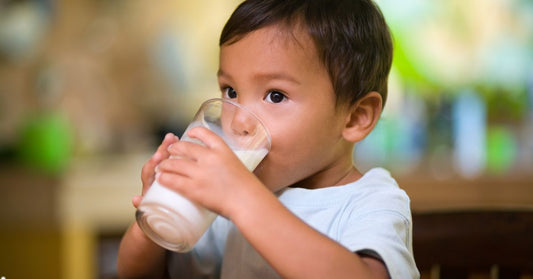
147, 171
174, 181
160, 154
186, 149
208, 137
162, 151
136, 200
179, 166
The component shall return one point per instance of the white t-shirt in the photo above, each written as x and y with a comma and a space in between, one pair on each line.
369, 216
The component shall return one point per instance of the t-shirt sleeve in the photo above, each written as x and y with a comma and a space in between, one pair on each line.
384, 232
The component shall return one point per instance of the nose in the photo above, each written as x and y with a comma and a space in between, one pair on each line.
243, 123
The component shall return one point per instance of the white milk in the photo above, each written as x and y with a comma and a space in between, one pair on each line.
251, 158
179, 222
175, 219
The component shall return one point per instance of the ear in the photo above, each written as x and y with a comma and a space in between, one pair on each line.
362, 117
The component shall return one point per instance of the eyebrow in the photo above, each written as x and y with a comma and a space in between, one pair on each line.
268, 76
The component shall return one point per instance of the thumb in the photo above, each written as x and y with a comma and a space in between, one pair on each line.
136, 200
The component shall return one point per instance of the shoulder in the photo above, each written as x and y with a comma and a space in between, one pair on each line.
378, 190
380, 221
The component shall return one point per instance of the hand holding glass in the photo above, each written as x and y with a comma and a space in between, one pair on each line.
176, 223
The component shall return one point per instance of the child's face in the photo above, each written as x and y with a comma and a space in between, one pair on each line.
281, 79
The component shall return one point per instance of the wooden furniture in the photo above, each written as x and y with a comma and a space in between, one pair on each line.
470, 229
474, 244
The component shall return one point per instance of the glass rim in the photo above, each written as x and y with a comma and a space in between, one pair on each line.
212, 100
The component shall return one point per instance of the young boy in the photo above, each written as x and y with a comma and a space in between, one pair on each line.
316, 73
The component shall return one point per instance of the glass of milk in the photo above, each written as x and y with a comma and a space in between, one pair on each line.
172, 221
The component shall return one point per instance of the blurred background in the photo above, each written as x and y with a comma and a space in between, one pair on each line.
88, 89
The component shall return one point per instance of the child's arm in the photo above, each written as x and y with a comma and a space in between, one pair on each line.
138, 256
294, 249
214, 177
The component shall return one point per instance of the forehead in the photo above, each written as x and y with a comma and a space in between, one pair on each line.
293, 35
277, 44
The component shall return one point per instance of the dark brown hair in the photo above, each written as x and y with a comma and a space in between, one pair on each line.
351, 37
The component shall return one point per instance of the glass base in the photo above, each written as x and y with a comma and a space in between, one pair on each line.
163, 227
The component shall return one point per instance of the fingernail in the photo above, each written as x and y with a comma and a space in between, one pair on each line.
169, 147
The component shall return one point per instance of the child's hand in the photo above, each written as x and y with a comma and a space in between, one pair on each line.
210, 175
148, 170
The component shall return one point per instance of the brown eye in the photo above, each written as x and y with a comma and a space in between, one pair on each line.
230, 93
275, 97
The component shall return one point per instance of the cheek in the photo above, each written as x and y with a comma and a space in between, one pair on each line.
288, 143
279, 168
302, 143
293, 156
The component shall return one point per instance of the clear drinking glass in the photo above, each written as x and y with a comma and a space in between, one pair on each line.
172, 221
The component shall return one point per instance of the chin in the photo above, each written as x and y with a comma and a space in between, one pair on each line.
269, 181
274, 178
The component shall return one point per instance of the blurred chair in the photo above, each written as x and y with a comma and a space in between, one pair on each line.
474, 244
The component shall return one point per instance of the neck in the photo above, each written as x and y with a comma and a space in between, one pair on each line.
335, 175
